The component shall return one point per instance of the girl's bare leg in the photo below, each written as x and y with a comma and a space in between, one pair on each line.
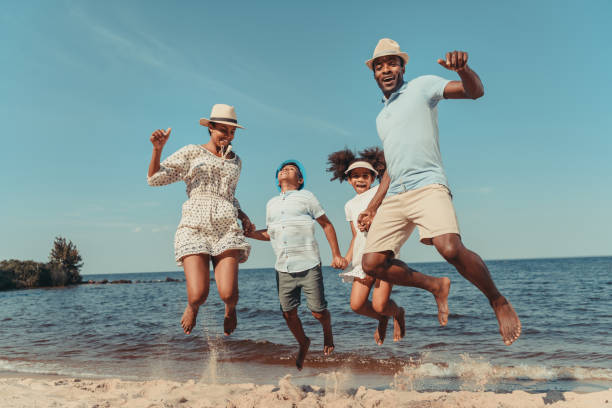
383, 304
361, 305
226, 276
197, 281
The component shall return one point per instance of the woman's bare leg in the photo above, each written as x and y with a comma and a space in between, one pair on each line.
197, 282
226, 276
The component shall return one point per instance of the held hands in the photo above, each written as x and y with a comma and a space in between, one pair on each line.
159, 138
247, 226
455, 61
365, 219
339, 262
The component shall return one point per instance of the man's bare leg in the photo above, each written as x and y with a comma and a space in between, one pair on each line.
324, 318
295, 325
226, 277
472, 267
385, 267
361, 305
197, 282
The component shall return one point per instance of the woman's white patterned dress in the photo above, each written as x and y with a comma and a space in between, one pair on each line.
209, 224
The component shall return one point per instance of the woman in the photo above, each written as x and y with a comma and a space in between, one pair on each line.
209, 228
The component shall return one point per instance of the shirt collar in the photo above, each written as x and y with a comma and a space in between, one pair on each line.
286, 193
394, 94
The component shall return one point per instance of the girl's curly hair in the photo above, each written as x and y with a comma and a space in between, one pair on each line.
341, 160
376, 157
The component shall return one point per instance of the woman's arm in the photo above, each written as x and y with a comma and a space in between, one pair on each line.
158, 139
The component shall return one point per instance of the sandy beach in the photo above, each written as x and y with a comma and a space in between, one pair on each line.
75, 392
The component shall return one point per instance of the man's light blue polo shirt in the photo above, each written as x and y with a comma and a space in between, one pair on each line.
290, 219
408, 128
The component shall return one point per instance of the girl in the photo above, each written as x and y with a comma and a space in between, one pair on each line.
361, 173
208, 229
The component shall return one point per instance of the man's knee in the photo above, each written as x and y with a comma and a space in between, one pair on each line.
449, 247
372, 262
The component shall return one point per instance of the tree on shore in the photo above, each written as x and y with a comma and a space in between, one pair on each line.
62, 269
65, 257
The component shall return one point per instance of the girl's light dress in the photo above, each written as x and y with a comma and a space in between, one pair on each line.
209, 224
352, 209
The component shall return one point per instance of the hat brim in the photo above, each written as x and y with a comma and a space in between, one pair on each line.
206, 122
402, 55
361, 164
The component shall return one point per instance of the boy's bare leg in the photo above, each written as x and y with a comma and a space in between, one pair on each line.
226, 277
361, 305
324, 318
472, 267
197, 282
295, 325
382, 302
384, 266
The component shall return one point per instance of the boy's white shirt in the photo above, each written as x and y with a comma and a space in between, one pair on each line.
290, 219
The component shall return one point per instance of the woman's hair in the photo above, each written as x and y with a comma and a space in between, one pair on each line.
341, 160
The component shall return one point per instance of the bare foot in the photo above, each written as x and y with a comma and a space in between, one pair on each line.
442, 301
189, 318
509, 323
230, 321
299, 361
328, 343
381, 330
399, 324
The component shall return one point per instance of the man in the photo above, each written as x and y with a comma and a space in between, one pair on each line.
415, 184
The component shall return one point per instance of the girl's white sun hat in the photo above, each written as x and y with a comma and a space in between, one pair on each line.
221, 113
361, 164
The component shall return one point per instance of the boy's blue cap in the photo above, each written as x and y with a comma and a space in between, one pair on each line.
298, 165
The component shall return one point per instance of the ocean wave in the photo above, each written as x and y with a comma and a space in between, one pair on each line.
479, 370
49, 368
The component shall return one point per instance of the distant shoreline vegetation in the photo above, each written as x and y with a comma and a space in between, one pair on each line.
63, 269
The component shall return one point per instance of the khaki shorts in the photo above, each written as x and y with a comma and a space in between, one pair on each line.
430, 208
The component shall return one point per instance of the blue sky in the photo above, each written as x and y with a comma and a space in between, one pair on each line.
84, 84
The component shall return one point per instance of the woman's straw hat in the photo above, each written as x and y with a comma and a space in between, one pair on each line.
221, 113
387, 46
361, 164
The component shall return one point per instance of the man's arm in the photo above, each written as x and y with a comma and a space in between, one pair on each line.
367, 216
470, 86
338, 261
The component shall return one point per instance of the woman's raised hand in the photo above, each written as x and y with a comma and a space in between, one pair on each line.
159, 138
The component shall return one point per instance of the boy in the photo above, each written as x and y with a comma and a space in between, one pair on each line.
290, 228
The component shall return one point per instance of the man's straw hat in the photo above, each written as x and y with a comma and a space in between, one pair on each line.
387, 46
221, 113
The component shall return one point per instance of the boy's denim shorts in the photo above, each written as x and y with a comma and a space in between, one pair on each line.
290, 286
